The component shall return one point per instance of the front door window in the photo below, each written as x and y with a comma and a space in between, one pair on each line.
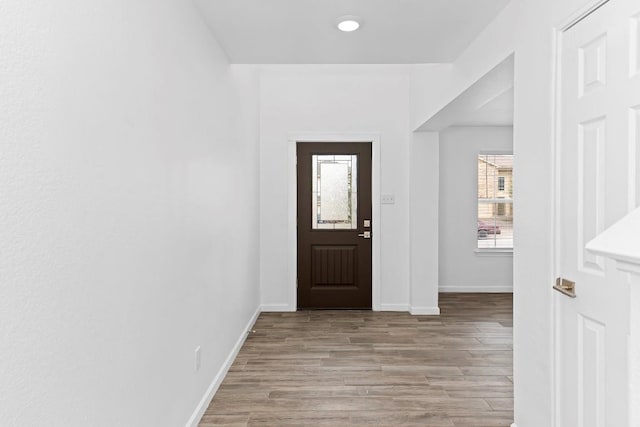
334, 204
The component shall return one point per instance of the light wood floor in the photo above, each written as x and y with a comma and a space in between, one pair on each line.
362, 368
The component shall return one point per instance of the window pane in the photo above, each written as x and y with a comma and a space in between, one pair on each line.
334, 204
495, 225
495, 176
495, 217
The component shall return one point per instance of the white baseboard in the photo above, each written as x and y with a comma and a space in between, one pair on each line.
394, 307
425, 311
429, 311
478, 289
217, 380
276, 308
514, 425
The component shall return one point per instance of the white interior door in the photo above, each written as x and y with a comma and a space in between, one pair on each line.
598, 116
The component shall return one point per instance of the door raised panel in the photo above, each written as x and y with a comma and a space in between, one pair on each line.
333, 265
591, 372
591, 197
592, 69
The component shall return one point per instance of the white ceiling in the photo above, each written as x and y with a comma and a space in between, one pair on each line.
304, 31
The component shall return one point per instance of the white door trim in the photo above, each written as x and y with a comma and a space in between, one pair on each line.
558, 32
292, 235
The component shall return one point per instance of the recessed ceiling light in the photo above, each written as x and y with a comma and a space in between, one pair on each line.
348, 23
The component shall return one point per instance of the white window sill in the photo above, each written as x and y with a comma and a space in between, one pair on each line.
494, 252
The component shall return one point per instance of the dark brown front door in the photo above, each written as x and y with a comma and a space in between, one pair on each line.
334, 225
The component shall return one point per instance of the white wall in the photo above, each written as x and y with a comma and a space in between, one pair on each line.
128, 212
424, 167
462, 268
431, 85
342, 100
532, 261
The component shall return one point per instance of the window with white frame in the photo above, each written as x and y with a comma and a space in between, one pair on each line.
495, 201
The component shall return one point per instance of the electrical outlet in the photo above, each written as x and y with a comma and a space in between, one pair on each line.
198, 358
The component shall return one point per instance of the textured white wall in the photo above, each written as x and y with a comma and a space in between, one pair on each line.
334, 99
461, 268
128, 212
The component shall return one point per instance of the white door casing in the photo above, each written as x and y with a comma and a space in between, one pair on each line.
596, 185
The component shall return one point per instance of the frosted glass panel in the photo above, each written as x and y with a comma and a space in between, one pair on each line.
335, 190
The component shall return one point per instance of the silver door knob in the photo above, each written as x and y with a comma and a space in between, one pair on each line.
366, 235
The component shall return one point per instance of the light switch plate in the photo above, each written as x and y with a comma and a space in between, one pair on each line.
387, 199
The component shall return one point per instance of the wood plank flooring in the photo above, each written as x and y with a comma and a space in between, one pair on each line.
363, 368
